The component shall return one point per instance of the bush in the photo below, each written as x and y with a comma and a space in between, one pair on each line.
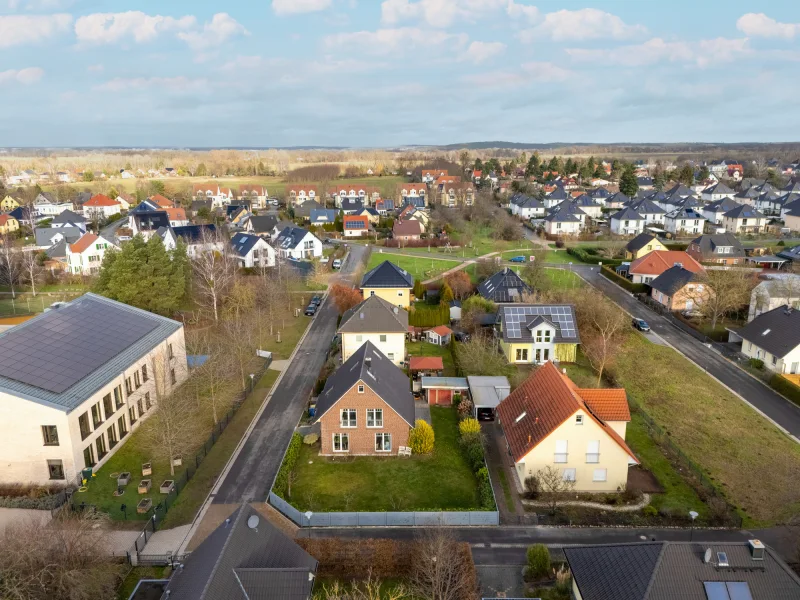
532, 489
421, 438
538, 561
473, 452
634, 288
485, 489
756, 363
559, 243
781, 243
464, 408
429, 317
650, 511
469, 426
289, 461
310, 439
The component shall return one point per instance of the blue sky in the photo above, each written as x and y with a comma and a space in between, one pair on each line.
395, 72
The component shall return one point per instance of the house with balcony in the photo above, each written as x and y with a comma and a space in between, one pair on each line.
93, 370
252, 251
562, 220
627, 222
549, 422
255, 195
720, 248
744, 219
413, 193
532, 334
100, 207
299, 193
715, 192
376, 321
713, 211
47, 205
684, 221
653, 214
297, 243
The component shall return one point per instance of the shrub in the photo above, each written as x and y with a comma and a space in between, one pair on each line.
559, 243
629, 494
469, 426
421, 438
310, 439
781, 243
538, 561
532, 489
635, 288
756, 363
464, 408
650, 511
474, 455
292, 453
485, 489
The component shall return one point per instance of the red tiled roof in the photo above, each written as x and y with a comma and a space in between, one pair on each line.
658, 261
420, 187
544, 401
162, 201
100, 200
435, 172
259, 189
176, 214
83, 243
442, 330
363, 221
204, 187
5, 219
608, 405
410, 227
426, 363
303, 188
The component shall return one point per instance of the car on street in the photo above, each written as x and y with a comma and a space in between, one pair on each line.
311, 309
316, 300
337, 263
641, 325
517, 259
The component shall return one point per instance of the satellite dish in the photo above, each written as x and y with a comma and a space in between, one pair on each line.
252, 521
707, 557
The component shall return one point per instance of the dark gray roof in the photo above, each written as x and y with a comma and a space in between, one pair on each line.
530, 202
58, 250
193, 233
243, 243
679, 190
751, 192
723, 205
676, 570
290, 238
323, 215
792, 187
351, 205
647, 207
685, 212
374, 315
504, 286
743, 211
62, 356
600, 192
564, 213
45, 235
618, 197
708, 245
627, 214
776, 331
672, 280
369, 366
517, 318
83, 197
304, 210
639, 242
239, 562
198, 204
151, 220
68, 216
718, 188
558, 194
584, 200
263, 223
387, 275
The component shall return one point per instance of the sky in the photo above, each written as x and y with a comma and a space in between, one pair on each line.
372, 73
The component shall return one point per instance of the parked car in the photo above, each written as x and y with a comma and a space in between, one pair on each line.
273, 201
641, 325
461, 336
316, 300
337, 263
517, 259
311, 309
485, 414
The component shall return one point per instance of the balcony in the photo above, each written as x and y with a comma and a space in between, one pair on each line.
592, 458
561, 457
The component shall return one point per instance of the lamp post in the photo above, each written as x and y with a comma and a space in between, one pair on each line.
308, 516
693, 515
252, 378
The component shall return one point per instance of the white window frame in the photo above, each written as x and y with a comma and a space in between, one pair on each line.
375, 412
384, 435
569, 474
562, 450
603, 475
382, 338
352, 417
344, 440
593, 452
360, 389
578, 419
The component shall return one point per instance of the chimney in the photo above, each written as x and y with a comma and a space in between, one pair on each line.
756, 549
396, 310
529, 439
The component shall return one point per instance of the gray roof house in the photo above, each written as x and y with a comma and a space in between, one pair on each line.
716, 246
261, 224
387, 275
504, 286
680, 571
245, 558
374, 315
68, 218
321, 216
672, 280
48, 236
776, 333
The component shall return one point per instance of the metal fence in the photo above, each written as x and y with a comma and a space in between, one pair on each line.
384, 519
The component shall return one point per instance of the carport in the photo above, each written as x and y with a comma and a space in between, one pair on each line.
487, 393
440, 390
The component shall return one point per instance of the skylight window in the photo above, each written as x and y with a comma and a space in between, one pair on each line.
522, 416
766, 331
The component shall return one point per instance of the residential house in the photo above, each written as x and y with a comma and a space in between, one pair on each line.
768, 203
47, 205
564, 221
410, 193
431, 175
211, 191
718, 191
198, 239
159, 201
299, 193
778, 290
25, 216
263, 225
773, 337
617, 200
653, 214
201, 205
354, 226
627, 222
303, 210
645, 183
504, 286
376, 321
556, 197
713, 211
9, 203
238, 217
366, 407
252, 251
457, 193
85, 257
92, 370
177, 217
721, 248
549, 422
365, 194
744, 219
406, 230
322, 216
642, 244
64, 177
256, 195
147, 223
653, 264
351, 206
390, 282
439, 336
528, 207
599, 195
384, 206
47, 237
747, 195
588, 205
297, 243
790, 213
8, 224
100, 207
372, 215
537, 333
684, 221
677, 289
245, 557
67, 218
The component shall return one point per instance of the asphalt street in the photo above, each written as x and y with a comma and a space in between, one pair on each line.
254, 469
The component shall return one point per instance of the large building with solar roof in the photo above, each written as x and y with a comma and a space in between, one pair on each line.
76, 380
536, 333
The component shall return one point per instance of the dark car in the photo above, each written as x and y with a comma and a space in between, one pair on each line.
316, 300
517, 259
311, 309
485, 414
461, 336
641, 325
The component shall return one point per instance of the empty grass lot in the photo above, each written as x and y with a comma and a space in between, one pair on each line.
753, 463
420, 268
426, 349
442, 480
561, 279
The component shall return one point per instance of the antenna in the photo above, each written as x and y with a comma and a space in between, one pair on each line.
707, 556
252, 522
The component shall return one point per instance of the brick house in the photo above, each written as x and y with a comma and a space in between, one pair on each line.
366, 407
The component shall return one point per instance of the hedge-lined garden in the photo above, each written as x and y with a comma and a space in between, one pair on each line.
634, 288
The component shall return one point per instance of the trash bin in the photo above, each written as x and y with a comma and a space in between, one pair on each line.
86, 473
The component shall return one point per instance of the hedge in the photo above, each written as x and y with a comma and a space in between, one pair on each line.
422, 316
43, 503
676, 246
634, 288
289, 461
783, 386
590, 255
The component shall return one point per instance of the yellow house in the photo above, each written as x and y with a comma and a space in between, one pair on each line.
537, 333
390, 282
552, 425
8, 204
8, 224
642, 244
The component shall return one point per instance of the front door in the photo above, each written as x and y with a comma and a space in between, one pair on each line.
793, 370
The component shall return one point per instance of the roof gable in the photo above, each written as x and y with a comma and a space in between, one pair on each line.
658, 261
387, 275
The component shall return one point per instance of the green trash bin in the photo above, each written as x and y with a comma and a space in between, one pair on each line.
86, 474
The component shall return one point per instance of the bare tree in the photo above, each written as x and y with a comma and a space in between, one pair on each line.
31, 269
717, 293
440, 570
240, 343
479, 356
552, 482
210, 380
214, 271
11, 268
602, 324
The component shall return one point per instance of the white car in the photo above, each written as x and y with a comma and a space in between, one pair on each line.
337, 263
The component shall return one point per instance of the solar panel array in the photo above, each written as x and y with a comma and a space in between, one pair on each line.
515, 318
61, 347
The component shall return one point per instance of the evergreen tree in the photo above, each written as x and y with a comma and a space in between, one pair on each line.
704, 173
659, 179
627, 183
446, 295
686, 175
419, 289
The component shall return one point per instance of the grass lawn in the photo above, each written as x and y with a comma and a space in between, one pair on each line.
420, 268
582, 374
132, 579
442, 480
751, 461
427, 349
559, 256
509, 498
561, 279
293, 329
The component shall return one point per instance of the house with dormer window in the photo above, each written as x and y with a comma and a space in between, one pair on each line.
537, 333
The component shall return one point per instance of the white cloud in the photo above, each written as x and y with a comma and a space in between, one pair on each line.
760, 25
295, 7
181, 83
243, 62
546, 72
516, 10
23, 76
22, 29
215, 33
107, 28
95, 68
479, 52
384, 41
438, 13
530, 72
584, 24
702, 53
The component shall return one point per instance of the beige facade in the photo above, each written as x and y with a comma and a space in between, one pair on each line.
393, 345
397, 296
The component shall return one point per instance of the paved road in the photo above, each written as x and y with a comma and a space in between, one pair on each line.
761, 396
252, 473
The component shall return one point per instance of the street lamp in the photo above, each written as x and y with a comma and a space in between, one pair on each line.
308, 516
252, 377
693, 515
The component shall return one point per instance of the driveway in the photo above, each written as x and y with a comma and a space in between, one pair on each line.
760, 396
254, 469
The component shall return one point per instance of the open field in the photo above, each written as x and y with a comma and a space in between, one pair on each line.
442, 480
562, 279
426, 349
420, 268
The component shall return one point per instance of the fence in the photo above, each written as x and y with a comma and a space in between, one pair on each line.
384, 519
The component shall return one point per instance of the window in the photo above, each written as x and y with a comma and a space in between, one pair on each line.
129, 386
147, 403
400, 293
100, 442
546, 354
56, 469
561, 451
568, 474
118, 396
372, 292
522, 354
348, 416
341, 442
83, 423
88, 456
359, 338
361, 389
123, 430
774, 360
383, 442
383, 338
374, 417
172, 377
97, 417
169, 351
578, 419
137, 380
538, 335
112, 436
107, 407
132, 414
600, 475
50, 435
593, 451
547, 333
140, 407
390, 356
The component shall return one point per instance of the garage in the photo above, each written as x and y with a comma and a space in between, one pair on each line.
440, 390
487, 393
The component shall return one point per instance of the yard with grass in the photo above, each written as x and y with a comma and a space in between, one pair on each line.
559, 256
561, 279
292, 330
427, 349
442, 480
755, 465
420, 268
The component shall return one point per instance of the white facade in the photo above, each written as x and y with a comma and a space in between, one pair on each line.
101, 212
627, 226
678, 225
260, 255
50, 209
393, 345
562, 227
749, 225
89, 260
788, 364
309, 247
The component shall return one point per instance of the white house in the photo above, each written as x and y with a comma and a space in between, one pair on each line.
211, 191
627, 222
378, 321
588, 205
256, 195
684, 221
652, 213
81, 389
718, 191
563, 221
297, 243
773, 337
198, 239
298, 194
85, 256
744, 219
777, 291
252, 250
528, 208
68, 218
100, 207
713, 211
47, 205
